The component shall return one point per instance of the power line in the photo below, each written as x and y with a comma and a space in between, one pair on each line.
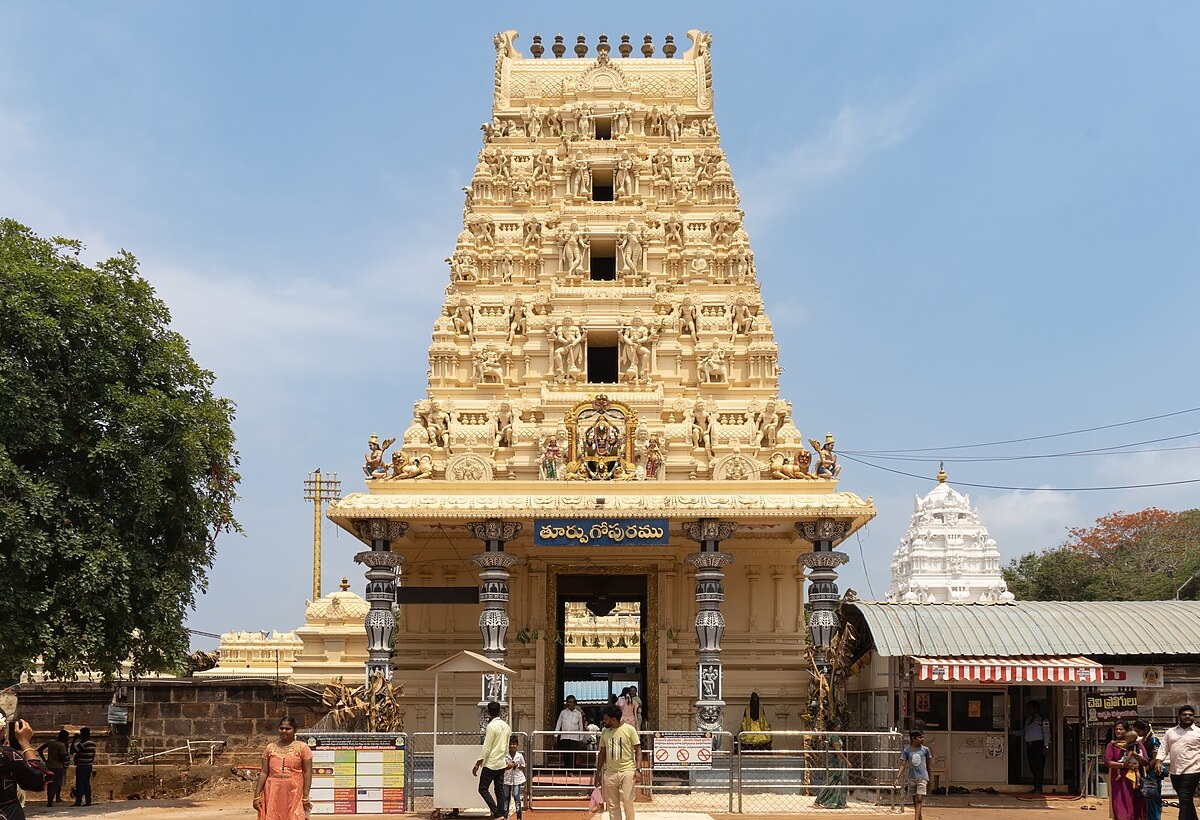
1027, 489
1121, 449
1031, 438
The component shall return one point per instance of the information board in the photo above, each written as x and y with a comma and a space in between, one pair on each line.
357, 773
683, 750
601, 532
1109, 707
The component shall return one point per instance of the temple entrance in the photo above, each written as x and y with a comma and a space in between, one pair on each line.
606, 641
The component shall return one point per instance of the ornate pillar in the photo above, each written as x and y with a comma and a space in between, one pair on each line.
710, 623
752, 587
383, 566
777, 583
493, 565
823, 595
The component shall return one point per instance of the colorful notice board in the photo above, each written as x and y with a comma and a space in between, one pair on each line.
357, 773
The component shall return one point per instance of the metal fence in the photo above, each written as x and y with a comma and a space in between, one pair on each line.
791, 772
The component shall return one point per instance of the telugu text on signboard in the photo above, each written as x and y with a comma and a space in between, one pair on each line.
601, 532
1109, 707
357, 773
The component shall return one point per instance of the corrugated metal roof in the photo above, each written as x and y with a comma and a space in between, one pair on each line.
1037, 628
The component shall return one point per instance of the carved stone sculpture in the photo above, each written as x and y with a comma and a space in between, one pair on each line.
567, 340
531, 232
464, 318
689, 318
712, 368
766, 424
631, 250
673, 229
741, 317
518, 319
402, 468
635, 342
573, 249
489, 367
827, 466
374, 467
781, 467
704, 427
550, 463
625, 176
501, 421
579, 176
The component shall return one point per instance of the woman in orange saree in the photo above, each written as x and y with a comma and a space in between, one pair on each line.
281, 792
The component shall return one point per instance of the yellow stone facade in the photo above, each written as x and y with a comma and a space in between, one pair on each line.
603, 357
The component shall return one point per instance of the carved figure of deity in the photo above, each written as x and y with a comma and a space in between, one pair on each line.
501, 422
579, 176
489, 368
673, 123
518, 319
573, 253
567, 340
437, 424
620, 124
374, 467
712, 368
635, 342
554, 123
521, 190
673, 230
654, 123
631, 250
653, 459
660, 165
531, 119
464, 318
543, 166
704, 427
741, 317
766, 424
550, 462
531, 232
827, 466
625, 176
689, 319
585, 121
403, 468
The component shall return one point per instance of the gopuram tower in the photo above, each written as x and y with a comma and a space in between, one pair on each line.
603, 420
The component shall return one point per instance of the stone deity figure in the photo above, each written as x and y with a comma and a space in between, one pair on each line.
689, 319
712, 368
464, 318
708, 682
550, 462
554, 123
625, 176
579, 177
437, 425
543, 166
653, 459
532, 120
518, 319
501, 422
573, 254
741, 317
827, 466
585, 120
620, 124
673, 123
374, 467
489, 368
654, 123
506, 268
567, 340
531, 232
660, 164
631, 250
673, 230
704, 427
635, 340
767, 424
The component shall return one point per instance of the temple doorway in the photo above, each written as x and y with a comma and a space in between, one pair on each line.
604, 638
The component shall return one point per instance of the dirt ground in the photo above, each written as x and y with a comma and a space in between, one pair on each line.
229, 800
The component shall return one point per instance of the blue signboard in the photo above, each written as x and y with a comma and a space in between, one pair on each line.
601, 532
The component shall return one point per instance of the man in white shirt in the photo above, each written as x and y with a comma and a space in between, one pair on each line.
1181, 744
493, 762
570, 729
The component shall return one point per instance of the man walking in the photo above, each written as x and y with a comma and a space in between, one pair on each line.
1182, 745
570, 729
617, 763
492, 762
84, 750
1036, 732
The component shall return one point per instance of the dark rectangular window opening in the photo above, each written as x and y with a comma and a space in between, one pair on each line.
602, 193
602, 185
603, 128
604, 268
601, 365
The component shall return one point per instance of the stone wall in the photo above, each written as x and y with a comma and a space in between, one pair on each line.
166, 713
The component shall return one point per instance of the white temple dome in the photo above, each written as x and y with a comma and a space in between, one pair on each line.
946, 555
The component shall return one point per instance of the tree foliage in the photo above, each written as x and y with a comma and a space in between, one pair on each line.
1141, 556
117, 467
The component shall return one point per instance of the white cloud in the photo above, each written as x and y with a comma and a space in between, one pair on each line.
854, 136
1024, 521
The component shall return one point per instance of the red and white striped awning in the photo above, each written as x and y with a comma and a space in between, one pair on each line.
1059, 670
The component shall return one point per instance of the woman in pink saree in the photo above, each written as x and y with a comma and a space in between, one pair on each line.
1126, 759
281, 792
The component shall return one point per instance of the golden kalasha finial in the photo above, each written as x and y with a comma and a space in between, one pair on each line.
345, 584
942, 472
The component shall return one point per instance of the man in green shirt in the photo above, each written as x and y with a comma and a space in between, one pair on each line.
492, 760
617, 763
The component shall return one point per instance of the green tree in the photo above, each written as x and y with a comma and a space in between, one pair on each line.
1141, 556
117, 466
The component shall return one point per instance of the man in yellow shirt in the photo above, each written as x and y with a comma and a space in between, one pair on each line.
493, 761
617, 763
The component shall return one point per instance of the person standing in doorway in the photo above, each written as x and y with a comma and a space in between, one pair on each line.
57, 756
84, 751
617, 763
570, 728
629, 704
1036, 732
492, 762
1181, 744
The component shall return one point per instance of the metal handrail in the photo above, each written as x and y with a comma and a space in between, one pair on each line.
212, 747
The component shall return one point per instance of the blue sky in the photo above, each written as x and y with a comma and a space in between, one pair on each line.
972, 222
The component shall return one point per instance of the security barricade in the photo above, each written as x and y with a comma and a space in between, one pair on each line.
806, 771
